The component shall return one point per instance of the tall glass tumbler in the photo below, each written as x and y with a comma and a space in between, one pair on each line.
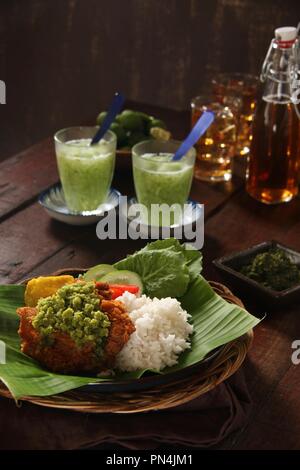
157, 178
85, 170
216, 148
244, 87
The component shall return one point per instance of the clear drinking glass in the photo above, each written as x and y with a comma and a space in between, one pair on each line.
217, 146
158, 179
245, 87
85, 170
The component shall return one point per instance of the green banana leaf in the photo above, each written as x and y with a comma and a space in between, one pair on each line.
216, 322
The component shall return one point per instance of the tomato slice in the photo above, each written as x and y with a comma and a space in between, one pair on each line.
117, 290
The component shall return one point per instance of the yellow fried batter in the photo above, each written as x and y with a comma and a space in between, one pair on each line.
62, 354
41, 287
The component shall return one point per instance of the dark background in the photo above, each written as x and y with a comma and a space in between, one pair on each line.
63, 59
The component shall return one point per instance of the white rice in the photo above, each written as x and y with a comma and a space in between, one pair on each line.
162, 333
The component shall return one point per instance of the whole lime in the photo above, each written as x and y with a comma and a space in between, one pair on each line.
101, 117
146, 118
156, 123
120, 133
146, 121
136, 137
131, 120
117, 118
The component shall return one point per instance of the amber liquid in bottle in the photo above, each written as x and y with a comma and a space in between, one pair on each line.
275, 152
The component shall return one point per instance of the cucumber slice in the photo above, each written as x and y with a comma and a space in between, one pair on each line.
123, 277
97, 272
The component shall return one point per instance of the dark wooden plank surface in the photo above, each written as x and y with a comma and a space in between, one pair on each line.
24, 175
271, 376
32, 243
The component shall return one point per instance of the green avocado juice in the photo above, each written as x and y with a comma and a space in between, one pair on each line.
85, 171
159, 180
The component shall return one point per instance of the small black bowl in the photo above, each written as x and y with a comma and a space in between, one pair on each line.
231, 265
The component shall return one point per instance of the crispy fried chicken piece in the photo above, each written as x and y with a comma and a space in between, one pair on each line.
103, 290
119, 333
63, 354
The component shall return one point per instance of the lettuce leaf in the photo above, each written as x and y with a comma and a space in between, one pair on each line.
166, 267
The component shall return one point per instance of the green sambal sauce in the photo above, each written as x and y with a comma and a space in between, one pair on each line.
74, 309
273, 269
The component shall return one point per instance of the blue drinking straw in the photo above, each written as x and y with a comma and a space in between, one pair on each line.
114, 109
198, 130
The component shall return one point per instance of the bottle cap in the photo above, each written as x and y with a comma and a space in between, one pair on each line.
287, 34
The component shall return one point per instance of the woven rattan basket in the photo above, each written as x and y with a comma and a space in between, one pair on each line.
177, 392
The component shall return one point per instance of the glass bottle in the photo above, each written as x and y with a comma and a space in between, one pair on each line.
272, 175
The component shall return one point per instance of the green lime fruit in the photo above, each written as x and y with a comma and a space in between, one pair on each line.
146, 118
101, 117
156, 123
117, 118
120, 133
146, 121
136, 137
131, 120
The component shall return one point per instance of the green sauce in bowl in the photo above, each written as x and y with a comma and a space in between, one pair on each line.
273, 269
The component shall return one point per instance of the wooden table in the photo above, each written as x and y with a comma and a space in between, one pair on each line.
32, 243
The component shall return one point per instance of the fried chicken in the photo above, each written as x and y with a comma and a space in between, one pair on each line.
62, 354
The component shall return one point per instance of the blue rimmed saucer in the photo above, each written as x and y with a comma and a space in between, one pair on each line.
192, 216
53, 201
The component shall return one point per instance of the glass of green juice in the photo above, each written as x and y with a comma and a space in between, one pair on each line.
157, 178
85, 170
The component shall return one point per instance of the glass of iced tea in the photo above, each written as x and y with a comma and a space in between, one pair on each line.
244, 87
217, 147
